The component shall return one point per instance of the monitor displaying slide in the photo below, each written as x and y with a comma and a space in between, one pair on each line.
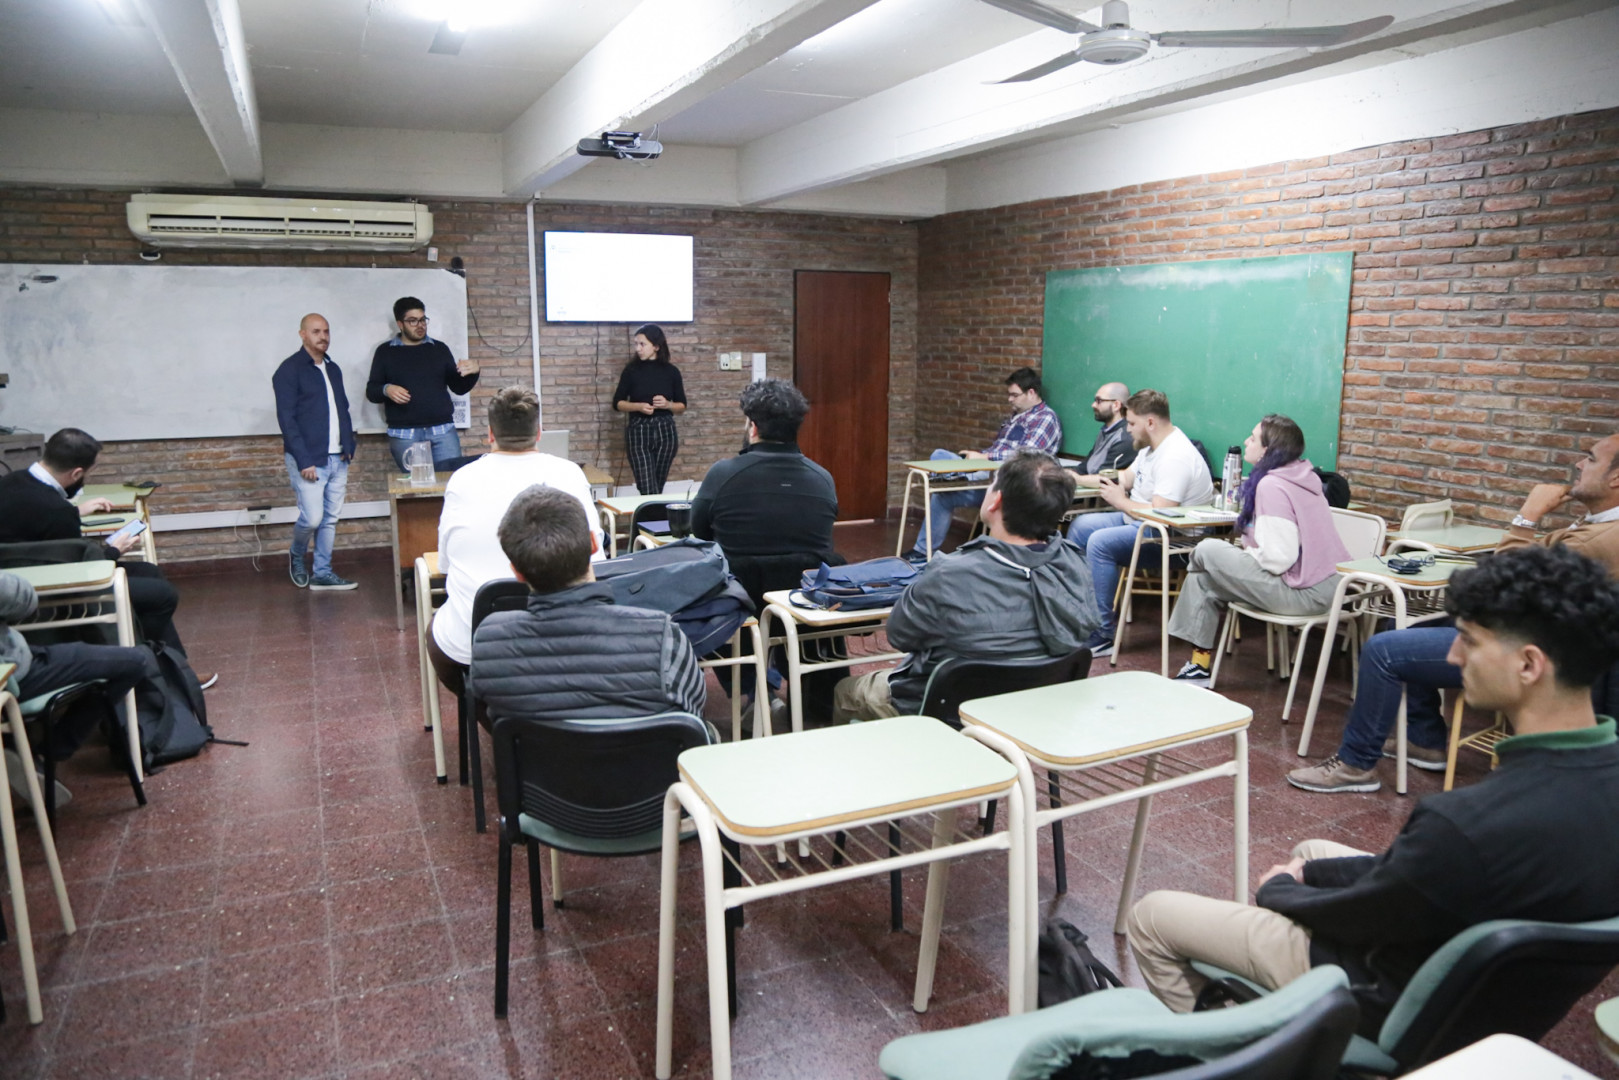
617, 277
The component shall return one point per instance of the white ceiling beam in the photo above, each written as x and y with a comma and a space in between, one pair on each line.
952, 112
663, 58
204, 42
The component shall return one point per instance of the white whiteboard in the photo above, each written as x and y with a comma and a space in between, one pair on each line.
156, 352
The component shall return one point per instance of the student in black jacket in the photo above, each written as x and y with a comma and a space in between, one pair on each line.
1535, 628
34, 506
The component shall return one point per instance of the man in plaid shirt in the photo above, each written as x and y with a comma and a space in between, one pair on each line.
1032, 425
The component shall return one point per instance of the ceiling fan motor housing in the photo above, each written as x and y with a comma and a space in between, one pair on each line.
1117, 45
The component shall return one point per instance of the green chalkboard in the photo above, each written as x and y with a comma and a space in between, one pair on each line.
1228, 340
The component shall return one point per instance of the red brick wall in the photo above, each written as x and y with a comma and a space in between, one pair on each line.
744, 279
1483, 348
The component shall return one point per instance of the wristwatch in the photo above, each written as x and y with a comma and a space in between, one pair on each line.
1521, 522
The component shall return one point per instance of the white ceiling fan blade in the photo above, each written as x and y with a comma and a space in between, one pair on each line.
1057, 64
1044, 15
1307, 37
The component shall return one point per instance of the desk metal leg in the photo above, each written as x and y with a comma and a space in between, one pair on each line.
126, 638
393, 544
904, 511
1124, 605
1138, 841
1239, 814
1163, 596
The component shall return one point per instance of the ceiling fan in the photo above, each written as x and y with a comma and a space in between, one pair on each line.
1116, 42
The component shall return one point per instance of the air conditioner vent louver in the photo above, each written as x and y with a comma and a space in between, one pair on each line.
230, 221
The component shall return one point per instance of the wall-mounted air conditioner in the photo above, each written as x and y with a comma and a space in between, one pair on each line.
235, 221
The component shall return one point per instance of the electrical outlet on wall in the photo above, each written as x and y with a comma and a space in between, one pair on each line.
258, 515
730, 361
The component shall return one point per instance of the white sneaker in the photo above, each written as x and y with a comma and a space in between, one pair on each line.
19, 782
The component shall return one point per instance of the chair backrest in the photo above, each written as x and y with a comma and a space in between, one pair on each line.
651, 511
501, 594
956, 680
1362, 534
1300, 1031
1507, 975
597, 780
1309, 1047
1429, 515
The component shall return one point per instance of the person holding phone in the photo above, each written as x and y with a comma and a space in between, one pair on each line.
650, 390
35, 505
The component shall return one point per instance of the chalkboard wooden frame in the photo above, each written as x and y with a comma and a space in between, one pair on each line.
1228, 340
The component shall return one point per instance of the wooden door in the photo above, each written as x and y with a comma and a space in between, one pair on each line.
840, 362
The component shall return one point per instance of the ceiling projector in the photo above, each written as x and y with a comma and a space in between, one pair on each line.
622, 145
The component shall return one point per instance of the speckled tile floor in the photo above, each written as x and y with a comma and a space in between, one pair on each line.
315, 905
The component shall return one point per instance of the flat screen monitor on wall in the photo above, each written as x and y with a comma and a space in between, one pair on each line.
617, 277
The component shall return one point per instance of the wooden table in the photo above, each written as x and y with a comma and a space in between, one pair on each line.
1463, 539
1374, 576
59, 585
1110, 740
1200, 519
930, 474
860, 781
801, 624
11, 723
413, 512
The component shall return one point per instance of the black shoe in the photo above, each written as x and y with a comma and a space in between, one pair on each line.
297, 570
331, 583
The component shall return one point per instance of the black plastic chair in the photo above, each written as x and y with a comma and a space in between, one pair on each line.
1309, 1047
956, 680
43, 712
502, 594
1511, 976
1297, 1033
590, 787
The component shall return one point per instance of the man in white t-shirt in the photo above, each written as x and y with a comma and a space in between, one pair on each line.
1168, 471
475, 499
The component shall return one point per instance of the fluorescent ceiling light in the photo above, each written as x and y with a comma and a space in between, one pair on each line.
121, 13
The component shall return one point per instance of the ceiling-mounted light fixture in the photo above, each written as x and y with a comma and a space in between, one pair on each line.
448, 40
121, 13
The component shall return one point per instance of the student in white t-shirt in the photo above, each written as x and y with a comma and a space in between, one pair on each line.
475, 499
1168, 471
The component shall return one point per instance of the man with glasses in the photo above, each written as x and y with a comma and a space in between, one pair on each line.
1033, 426
412, 378
1113, 448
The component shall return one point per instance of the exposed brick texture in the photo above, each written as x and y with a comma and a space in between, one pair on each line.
744, 301
1483, 346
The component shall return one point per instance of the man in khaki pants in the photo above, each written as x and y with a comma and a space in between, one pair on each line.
1536, 627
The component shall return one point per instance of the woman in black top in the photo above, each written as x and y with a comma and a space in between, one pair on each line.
651, 391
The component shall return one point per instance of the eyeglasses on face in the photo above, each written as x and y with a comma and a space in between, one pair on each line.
415, 322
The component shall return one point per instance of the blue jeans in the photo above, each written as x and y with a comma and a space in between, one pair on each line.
944, 504
1107, 540
320, 501
446, 446
1413, 660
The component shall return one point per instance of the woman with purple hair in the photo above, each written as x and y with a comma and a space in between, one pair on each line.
1288, 560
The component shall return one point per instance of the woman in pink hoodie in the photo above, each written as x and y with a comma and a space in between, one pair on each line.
1290, 551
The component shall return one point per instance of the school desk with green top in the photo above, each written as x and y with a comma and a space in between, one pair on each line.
11, 723
1108, 740
1375, 579
1463, 539
936, 478
68, 596
864, 784
1200, 520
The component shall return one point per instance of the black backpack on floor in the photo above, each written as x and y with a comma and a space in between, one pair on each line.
173, 715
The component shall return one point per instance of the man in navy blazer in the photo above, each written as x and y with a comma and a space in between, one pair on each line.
318, 438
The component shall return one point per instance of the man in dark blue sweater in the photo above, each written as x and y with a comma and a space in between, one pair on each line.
412, 378
1535, 629
318, 437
